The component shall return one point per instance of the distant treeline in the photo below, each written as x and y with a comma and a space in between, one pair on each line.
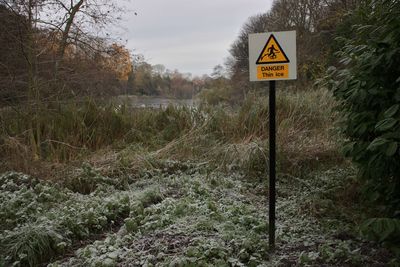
317, 24
69, 54
147, 79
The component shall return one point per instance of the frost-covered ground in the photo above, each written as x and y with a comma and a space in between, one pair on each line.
185, 217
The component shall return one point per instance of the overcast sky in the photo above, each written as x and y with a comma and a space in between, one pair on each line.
188, 35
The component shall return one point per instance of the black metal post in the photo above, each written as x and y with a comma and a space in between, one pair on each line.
272, 163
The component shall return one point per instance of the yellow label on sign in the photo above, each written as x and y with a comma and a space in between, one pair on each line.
270, 72
272, 53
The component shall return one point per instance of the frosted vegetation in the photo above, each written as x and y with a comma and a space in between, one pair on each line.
180, 214
186, 187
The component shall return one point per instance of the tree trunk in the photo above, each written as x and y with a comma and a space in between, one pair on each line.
65, 34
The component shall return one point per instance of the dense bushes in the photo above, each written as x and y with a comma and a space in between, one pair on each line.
367, 84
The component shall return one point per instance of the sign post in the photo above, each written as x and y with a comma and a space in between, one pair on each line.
272, 57
272, 163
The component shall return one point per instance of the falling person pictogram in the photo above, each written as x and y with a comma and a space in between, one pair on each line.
271, 52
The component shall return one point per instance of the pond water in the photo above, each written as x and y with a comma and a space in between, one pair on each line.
156, 102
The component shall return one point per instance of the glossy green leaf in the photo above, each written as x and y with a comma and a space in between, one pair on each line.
377, 143
392, 148
390, 112
385, 124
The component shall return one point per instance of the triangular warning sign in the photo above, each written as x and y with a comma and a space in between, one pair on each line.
272, 53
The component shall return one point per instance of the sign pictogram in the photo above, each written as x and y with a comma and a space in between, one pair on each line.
272, 53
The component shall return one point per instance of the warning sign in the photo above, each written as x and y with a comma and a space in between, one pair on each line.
272, 56
272, 53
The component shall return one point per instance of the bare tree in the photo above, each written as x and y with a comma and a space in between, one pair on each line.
52, 28
76, 21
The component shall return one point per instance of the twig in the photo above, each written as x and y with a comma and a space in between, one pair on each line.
62, 143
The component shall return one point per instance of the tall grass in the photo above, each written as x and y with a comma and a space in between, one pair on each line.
222, 137
64, 132
306, 136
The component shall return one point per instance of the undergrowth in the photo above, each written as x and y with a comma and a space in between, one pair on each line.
31, 139
184, 215
41, 220
235, 140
